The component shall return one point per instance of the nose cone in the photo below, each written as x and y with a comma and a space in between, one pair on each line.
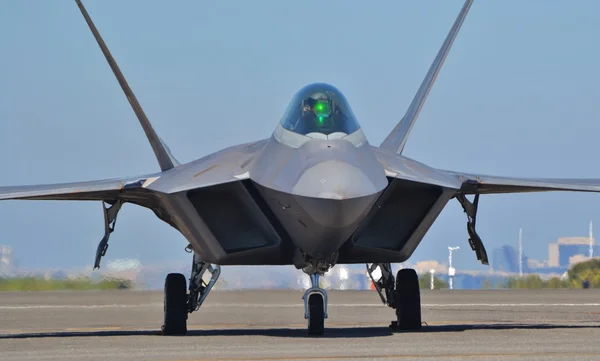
336, 179
330, 222
335, 196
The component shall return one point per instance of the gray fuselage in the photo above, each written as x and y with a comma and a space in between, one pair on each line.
315, 189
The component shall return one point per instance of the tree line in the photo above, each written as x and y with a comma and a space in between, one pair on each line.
582, 275
80, 284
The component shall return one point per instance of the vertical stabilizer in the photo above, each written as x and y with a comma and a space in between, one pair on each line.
397, 138
163, 155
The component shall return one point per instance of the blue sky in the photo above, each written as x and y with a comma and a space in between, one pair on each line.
518, 96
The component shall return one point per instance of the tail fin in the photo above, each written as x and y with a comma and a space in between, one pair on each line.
397, 138
163, 155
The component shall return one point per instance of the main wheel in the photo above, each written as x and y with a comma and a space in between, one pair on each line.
408, 300
175, 305
316, 319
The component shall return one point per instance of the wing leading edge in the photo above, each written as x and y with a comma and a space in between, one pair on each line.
100, 190
402, 167
227, 165
488, 184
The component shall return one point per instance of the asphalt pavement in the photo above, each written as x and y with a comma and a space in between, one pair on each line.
269, 325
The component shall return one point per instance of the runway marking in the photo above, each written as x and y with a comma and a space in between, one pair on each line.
299, 304
509, 304
44, 307
91, 329
400, 357
56, 330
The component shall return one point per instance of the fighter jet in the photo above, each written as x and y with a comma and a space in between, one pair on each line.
313, 194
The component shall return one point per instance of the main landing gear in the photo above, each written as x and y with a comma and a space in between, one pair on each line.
178, 302
401, 294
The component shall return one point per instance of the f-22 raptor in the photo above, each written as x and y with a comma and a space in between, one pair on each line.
313, 194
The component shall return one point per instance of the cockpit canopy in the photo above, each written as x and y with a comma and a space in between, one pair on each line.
319, 108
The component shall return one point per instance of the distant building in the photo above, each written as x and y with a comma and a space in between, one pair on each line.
533, 264
506, 259
565, 249
423, 267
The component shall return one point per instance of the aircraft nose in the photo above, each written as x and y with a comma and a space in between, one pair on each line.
335, 179
334, 197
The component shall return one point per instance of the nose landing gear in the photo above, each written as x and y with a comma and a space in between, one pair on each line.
315, 307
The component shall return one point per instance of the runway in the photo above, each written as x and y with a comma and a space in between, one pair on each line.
269, 325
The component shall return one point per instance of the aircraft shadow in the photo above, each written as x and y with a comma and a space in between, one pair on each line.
332, 332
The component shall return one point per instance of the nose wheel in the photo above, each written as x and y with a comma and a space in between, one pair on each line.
316, 317
315, 307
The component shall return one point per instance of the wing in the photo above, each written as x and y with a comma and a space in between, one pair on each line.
227, 165
476, 184
397, 138
401, 167
230, 164
106, 190
487, 184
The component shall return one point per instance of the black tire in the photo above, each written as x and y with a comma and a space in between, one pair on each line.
408, 300
175, 305
316, 319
